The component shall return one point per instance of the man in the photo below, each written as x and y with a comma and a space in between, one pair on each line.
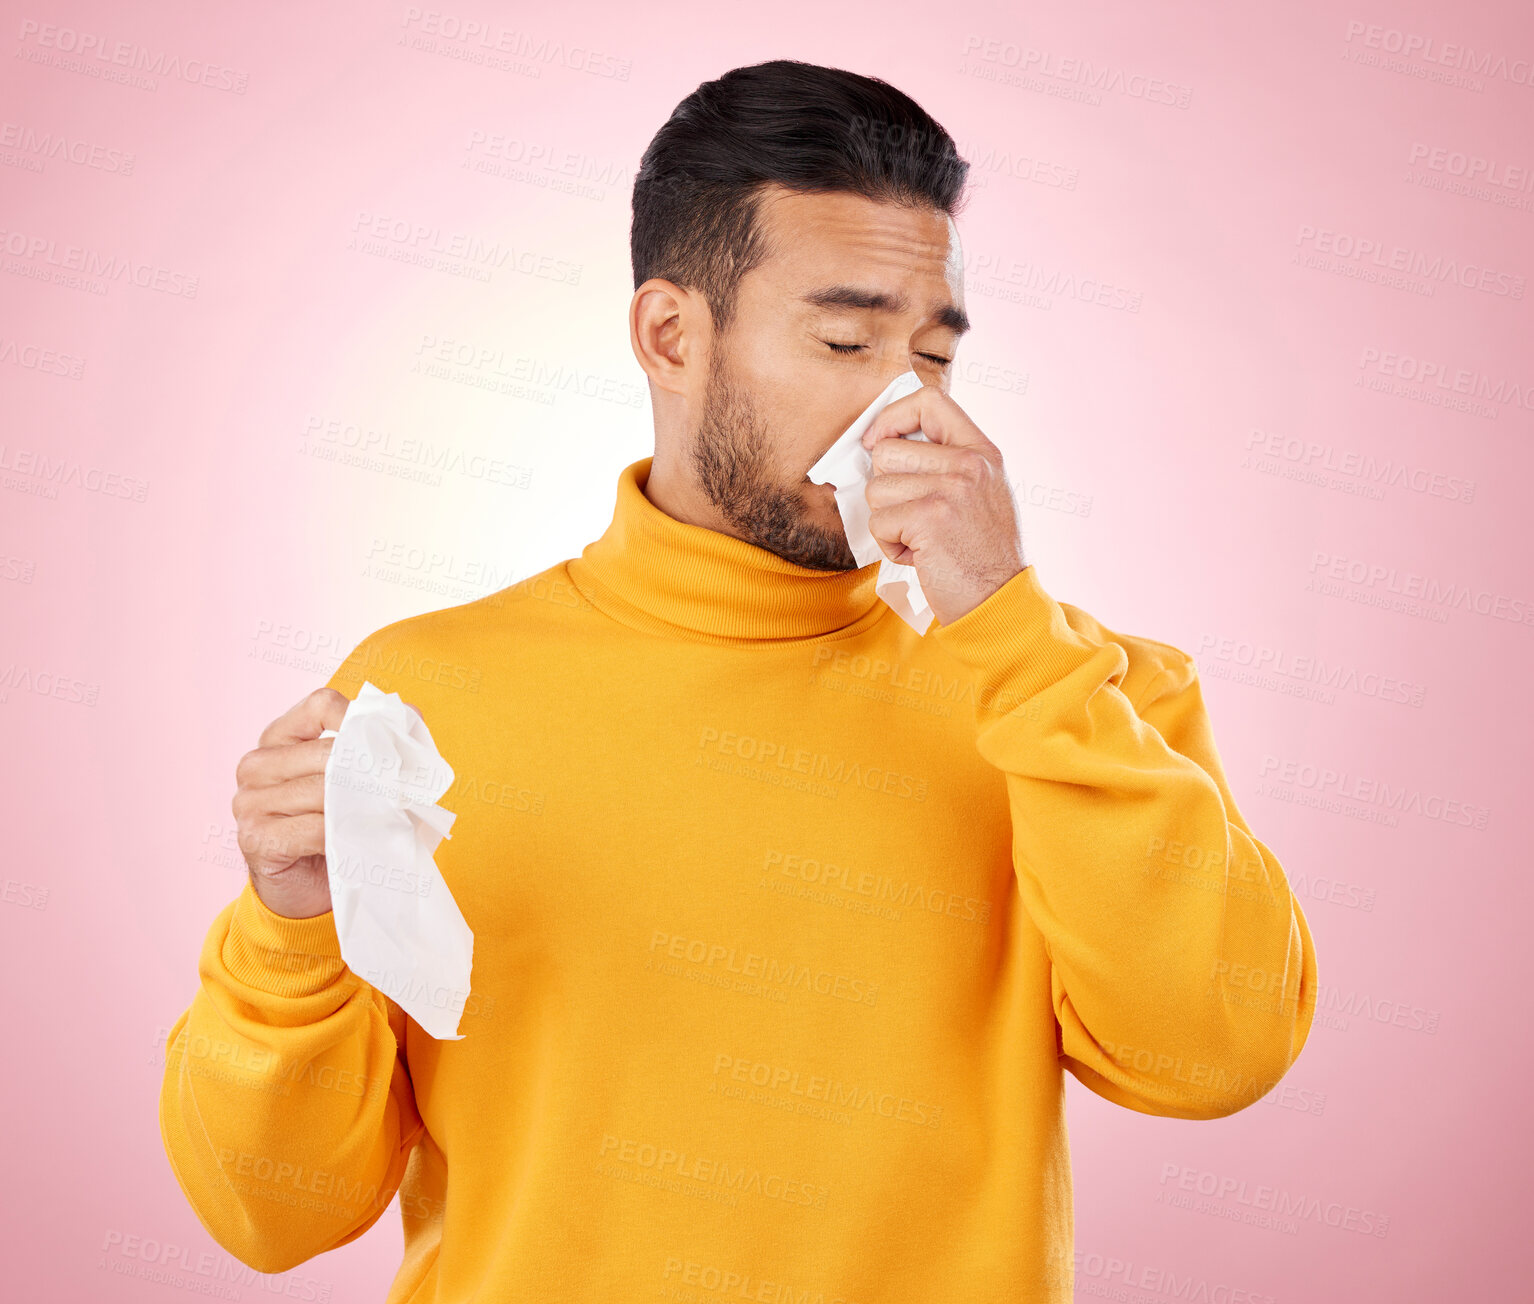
787, 920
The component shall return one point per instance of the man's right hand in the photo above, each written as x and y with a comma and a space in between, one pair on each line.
279, 806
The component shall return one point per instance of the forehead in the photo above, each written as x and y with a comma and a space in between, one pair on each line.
820, 238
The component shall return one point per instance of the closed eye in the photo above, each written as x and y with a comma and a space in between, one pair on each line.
856, 348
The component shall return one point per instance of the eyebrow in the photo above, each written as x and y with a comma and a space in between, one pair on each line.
852, 296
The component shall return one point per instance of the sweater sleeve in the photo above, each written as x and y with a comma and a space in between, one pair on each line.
1183, 972
286, 1106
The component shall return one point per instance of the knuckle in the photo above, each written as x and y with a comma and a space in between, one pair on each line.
245, 765
248, 840
325, 698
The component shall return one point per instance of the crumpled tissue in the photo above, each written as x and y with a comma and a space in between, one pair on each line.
848, 466
398, 924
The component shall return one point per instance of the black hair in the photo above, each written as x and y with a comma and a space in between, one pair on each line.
805, 127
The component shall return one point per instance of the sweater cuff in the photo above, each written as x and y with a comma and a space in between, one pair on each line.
1017, 641
278, 955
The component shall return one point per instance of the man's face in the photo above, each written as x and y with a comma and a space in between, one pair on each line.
883, 281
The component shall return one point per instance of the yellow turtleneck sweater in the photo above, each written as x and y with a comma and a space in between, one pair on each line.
787, 924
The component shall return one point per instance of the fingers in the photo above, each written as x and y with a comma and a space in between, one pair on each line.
265, 766
297, 796
291, 746
907, 469
320, 710
895, 528
896, 487
930, 411
919, 455
277, 841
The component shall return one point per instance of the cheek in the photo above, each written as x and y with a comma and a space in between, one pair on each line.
763, 358
802, 403
794, 429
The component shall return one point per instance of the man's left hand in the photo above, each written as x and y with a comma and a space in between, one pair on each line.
942, 506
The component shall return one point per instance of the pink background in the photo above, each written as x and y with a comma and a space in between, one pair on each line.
188, 544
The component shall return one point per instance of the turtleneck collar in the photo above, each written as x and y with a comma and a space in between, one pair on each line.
655, 573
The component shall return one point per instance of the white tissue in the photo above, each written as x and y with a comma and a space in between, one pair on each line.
848, 466
399, 927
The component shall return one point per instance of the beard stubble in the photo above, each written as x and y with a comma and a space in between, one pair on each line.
732, 457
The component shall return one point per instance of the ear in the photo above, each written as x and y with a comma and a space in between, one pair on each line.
669, 331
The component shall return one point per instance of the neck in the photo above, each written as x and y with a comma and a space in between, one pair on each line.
678, 495
665, 575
